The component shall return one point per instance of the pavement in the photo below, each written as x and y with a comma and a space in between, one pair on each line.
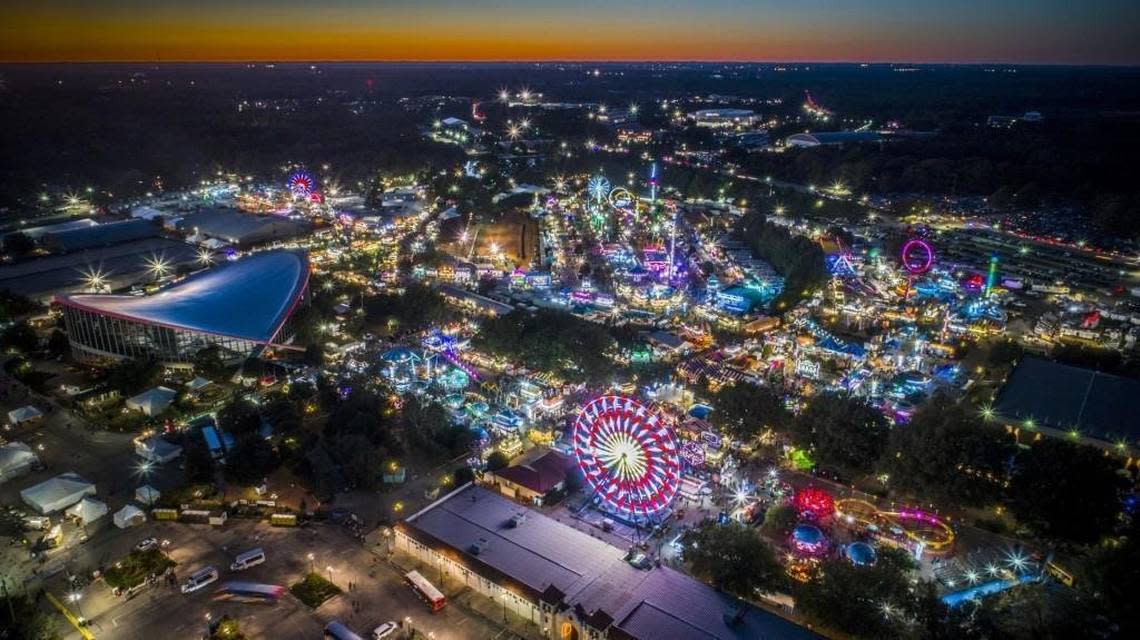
373, 588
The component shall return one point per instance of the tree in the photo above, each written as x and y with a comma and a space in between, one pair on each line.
463, 475
20, 337
58, 344
947, 455
208, 363
361, 462
131, 376
251, 459
315, 354
1066, 490
426, 428
239, 418
24, 620
779, 520
199, 462
842, 431
18, 244
497, 460
734, 558
863, 601
553, 341
744, 409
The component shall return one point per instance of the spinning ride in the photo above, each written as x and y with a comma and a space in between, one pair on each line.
629, 457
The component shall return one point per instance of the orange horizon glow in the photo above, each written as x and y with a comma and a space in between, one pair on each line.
351, 31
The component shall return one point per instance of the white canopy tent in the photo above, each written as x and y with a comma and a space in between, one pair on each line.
57, 493
147, 495
129, 516
24, 414
152, 401
16, 458
155, 449
87, 510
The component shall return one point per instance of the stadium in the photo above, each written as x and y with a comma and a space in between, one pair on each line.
242, 307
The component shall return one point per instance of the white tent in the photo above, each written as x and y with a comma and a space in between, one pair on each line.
24, 414
152, 401
147, 494
87, 510
16, 458
129, 516
57, 493
155, 449
198, 383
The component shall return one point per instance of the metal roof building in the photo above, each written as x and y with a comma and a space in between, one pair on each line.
1061, 398
569, 584
239, 306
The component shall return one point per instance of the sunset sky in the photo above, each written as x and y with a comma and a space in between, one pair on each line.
1032, 31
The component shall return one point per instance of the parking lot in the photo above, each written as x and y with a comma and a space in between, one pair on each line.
374, 591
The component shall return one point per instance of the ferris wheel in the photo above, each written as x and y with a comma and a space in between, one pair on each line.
301, 184
628, 456
599, 188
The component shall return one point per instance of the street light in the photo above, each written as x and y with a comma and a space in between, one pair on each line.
312, 569
330, 569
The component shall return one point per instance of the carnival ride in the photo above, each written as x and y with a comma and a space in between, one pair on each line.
598, 188
628, 455
301, 184
912, 529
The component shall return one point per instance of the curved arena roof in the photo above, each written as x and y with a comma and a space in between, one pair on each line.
249, 299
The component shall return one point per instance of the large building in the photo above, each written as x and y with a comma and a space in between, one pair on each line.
570, 585
240, 306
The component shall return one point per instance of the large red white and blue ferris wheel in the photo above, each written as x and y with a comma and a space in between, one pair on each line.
628, 455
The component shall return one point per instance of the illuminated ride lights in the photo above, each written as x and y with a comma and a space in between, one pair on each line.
917, 257
909, 528
813, 503
628, 456
599, 188
808, 539
301, 184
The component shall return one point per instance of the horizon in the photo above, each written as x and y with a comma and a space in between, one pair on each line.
1049, 32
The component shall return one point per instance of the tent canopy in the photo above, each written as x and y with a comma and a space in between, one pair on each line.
57, 493
15, 458
24, 414
87, 510
129, 516
147, 494
152, 401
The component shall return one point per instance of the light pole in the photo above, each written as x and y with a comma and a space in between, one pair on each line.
408, 626
330, 569
312, 569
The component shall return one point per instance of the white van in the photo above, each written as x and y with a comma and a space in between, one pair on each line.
199, 579
250, 558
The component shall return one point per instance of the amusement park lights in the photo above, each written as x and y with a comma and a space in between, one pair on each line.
95, 278
628, 456
205, 256
158, 265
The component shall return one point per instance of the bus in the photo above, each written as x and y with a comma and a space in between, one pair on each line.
338, 631
249, 592
425, 590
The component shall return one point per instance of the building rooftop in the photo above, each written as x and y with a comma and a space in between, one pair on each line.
540, 475
249, 299
1061, 396
558, 563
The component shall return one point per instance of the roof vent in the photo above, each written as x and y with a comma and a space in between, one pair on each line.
478, 546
